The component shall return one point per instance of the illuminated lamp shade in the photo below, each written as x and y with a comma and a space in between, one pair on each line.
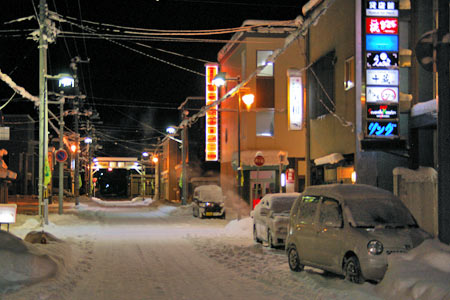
353, 177
66, 81
170, 130
283, 179
73, 148
145, 154
248, 99
155, 159
88, 140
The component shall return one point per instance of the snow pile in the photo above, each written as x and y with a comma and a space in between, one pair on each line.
184, 210
423, 273
239, 228
138, 201
23, 263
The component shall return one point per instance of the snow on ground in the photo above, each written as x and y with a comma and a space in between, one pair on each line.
423, 273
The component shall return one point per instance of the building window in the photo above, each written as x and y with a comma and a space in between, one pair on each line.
321, 86
265, 123
261, 58
264, 81
349, 75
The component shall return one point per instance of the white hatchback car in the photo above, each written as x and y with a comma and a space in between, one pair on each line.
208, 201
271, 217
349, 229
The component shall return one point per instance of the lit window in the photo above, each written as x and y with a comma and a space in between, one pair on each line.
349, 76
261, 60
264, 123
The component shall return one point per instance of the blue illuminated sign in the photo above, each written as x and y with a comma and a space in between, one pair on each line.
382, 129
381, 42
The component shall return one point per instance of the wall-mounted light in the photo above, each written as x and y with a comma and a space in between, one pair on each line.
354, 177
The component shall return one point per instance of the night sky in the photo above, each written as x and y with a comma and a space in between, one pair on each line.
133, 93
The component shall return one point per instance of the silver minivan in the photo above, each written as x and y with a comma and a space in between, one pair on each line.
349, 229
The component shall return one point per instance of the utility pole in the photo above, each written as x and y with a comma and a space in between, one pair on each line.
443, 48
76, 104
61, 164
184, 157
43, 137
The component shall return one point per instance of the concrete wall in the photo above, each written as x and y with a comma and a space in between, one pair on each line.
418, 191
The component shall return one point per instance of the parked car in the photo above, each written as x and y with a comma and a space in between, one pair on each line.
208, 201
349, 230
271, 217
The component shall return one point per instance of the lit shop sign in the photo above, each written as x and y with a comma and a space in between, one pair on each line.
381, 68
382, 8
379, 42
382, 128
379, 59
381, 93
295, 100
382, 25
382, 111
212, 116
382, 77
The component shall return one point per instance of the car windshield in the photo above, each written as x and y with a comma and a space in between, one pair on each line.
211, 196
380, 213
282, 204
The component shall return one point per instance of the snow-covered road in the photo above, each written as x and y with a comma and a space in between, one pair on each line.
165, 253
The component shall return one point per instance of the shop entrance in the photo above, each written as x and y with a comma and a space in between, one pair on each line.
261, 183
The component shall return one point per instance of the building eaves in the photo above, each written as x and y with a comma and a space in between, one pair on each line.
258, 29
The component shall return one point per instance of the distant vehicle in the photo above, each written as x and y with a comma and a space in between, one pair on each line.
349, 229
271, 218
208, 201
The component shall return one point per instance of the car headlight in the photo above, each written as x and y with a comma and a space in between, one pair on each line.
222, 204
375, 247
201, 204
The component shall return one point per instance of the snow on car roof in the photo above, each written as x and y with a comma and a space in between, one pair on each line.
348, 191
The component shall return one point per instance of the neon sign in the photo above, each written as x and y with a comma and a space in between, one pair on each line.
380, 128
383, 93
378, 59
212, 116
382, 111
384, 42
382, 25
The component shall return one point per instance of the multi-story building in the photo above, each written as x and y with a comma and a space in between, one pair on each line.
273, 126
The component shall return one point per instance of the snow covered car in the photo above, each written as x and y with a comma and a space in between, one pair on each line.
271, 217
349, 229
208, 201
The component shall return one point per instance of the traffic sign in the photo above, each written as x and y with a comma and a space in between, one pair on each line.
61, 155
259, 160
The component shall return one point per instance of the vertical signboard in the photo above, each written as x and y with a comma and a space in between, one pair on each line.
381, 68
212, 116
295, 99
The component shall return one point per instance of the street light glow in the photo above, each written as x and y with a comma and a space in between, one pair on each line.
170, 130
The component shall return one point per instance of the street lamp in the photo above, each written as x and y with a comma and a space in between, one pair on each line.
244, 94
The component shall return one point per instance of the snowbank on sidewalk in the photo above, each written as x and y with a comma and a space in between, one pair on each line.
423, 273
138, 201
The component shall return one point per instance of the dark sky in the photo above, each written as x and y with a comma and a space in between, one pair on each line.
129, 90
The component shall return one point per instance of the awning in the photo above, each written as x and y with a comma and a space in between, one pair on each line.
271, 158
329, 159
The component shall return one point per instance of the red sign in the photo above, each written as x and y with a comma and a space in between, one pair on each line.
212, 94
382, 25
259, 160
61, 155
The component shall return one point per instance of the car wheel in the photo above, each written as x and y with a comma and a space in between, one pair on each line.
269, 239
294, 260
255, 237
352, 270
223, 215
